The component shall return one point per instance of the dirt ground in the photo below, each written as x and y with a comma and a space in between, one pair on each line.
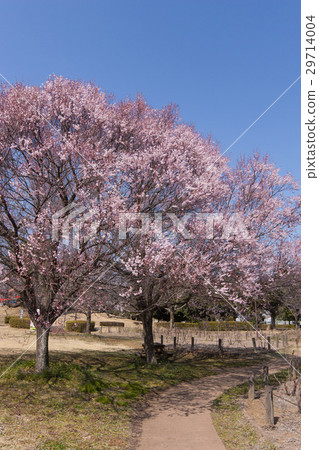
16, 340
286, 433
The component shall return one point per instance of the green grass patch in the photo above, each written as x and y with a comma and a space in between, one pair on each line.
52, 445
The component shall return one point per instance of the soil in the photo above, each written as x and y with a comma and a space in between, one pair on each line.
16, 340
286, 432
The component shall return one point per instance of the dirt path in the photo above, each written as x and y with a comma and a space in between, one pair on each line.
179, 417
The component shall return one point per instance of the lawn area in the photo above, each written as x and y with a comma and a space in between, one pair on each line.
87, 400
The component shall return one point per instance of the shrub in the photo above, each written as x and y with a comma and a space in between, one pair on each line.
16, 322
211, 326
78, 325
285, 327
230, 325
7, 318
111, 324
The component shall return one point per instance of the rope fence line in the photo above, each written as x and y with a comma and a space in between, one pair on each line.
285, 399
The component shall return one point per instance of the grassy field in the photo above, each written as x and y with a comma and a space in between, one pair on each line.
231, 424
87, 400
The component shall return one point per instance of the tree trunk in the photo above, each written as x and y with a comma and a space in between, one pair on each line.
42, 349
171, 318
273, 322
256, 318
88, 321
147, 319
296, 321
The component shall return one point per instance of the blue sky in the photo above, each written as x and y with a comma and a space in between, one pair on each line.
223, 62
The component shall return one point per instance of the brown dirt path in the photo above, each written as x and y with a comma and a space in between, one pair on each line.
179, 417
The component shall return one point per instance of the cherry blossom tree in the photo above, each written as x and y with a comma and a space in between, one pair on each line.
45, 135
65, 150
204, 227
165, 170
267, 205
168, 172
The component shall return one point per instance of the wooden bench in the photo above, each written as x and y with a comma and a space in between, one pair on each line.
109, 324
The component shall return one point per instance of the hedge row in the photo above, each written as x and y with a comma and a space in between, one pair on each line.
111, 324
230, 325
285, 327
78, 325
7, 318
16, 322
211, 326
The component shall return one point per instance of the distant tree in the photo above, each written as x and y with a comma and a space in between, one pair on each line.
272, 304
280, 289
291, 281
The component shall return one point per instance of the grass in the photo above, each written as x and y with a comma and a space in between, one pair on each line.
86, 400
229, 421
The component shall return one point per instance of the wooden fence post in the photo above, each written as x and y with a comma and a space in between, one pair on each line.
298, 394
269, 406
251, 391
266, 375
220, 345
174, 342
268, 342
162, 339
192, 344
293, 365
254, 344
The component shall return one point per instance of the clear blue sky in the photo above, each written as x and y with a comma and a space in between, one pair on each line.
223, 62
